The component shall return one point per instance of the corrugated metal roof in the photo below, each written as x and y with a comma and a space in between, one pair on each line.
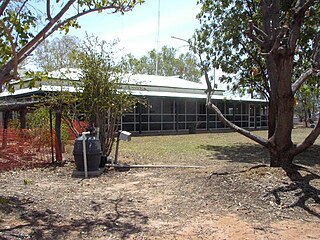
191, 95
145, 85
140, 79
163, 81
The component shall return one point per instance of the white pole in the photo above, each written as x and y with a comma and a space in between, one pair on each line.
85, 163
157, 40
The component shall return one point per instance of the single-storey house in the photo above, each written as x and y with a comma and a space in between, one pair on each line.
171, 104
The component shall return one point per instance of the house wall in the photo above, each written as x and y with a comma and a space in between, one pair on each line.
163, 114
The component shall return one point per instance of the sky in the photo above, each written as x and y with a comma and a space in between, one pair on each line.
137, 30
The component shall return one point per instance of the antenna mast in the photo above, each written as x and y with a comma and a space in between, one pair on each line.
158, 39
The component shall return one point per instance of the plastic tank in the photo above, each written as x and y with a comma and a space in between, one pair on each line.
93, 149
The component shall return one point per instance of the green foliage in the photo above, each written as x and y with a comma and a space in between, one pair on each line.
169, 64
307, 98
25, 24
40, 119
101, 97
20, 22
224, 43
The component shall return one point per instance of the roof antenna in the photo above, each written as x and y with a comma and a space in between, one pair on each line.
158, 39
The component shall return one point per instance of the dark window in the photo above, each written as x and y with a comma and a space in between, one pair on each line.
202, 108
128, 127
128, 118
191, 106
180, 106
168, 126
168, 106
155, 105
220, 105
155, 126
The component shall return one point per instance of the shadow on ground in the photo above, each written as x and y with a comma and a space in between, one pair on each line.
244, 153
47, 224
256, 154
308, 195
303, 189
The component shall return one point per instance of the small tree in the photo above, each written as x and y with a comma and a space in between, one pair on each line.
101, 98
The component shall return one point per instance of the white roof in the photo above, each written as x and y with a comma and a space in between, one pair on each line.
163, 81
137, 79
145, 85
192, 95
66, 73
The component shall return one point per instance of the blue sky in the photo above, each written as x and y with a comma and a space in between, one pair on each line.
137, 30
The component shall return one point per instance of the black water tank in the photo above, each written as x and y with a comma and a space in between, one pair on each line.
93, 149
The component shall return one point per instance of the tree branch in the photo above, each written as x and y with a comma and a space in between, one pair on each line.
47, 30
42, 33
301, 7
80, 14
304, 77
297, 20
309, 140
315, 57
18, 14
261, 66
48, 10
13, 49
277, 42
3, 6
255, 38
264, 142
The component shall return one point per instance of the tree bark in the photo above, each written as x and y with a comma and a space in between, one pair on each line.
280, 79
281, 159
272, 114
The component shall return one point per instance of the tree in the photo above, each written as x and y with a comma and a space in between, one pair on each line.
184, 66
260, 41
57, 54
23, 26
101, 98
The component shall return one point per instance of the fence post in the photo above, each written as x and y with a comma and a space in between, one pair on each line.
51, 135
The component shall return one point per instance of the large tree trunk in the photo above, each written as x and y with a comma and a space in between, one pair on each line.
272, 114
281, 159
280, 78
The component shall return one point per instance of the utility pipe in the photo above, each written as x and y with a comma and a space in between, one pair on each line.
85, 163
152, 166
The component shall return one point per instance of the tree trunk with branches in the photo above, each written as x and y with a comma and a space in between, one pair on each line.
276, 34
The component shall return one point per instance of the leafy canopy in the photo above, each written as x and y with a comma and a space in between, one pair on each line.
24, 24
223, 40
169, 64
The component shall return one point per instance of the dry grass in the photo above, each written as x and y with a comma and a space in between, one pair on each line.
232, 198
197, 148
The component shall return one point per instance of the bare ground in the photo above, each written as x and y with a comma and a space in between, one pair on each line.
226, 200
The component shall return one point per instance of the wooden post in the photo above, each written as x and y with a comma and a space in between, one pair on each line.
22, 118
51, 135
57, 128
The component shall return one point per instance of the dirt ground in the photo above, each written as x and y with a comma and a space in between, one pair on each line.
222, 201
